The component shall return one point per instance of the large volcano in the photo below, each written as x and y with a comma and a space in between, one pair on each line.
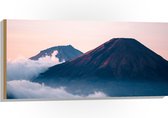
119, 67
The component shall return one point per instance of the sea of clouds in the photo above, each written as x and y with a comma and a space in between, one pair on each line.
22, 70
24, 89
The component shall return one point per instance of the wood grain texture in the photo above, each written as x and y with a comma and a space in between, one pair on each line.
4, 57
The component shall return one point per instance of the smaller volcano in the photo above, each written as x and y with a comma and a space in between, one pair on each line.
65, 53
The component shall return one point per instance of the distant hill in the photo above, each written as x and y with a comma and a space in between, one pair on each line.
65, 53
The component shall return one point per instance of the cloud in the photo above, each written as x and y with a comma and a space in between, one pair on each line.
26, 69
23, 89
22, 70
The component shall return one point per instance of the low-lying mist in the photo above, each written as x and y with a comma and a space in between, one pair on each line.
23, 89
21, 71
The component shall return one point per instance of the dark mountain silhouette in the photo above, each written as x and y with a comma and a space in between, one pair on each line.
119, 67
65, 53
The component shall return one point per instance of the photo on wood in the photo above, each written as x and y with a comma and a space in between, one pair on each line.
48, 59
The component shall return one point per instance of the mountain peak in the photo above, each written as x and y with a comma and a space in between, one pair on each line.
65, 53
69, 45
124, 47
121, 41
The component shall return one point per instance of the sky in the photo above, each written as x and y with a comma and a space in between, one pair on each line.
26, 38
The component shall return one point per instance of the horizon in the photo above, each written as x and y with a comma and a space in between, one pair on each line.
22, 33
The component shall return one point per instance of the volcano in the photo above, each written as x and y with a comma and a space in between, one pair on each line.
119, 67
65, 53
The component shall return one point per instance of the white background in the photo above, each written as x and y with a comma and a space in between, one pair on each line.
113, 10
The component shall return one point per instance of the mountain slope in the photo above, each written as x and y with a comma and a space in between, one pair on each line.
109, 67
65, 53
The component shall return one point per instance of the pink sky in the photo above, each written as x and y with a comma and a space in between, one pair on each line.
27, 37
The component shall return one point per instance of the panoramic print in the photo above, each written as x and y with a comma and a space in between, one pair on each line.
47, 59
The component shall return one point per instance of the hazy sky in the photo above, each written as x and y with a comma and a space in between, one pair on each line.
27, 37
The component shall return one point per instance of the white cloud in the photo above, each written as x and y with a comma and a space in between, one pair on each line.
26, 69
97, 94
21, 71
53, 56
23, 89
